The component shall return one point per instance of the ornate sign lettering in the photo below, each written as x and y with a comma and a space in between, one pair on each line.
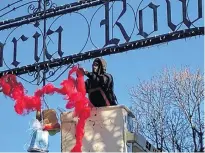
141, 30
15, 42
121, 21
59, 31
106, 22
185, 14
36, 36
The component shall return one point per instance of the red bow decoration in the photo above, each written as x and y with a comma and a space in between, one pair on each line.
73, 89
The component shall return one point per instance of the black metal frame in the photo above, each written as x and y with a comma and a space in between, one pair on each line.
42, 12
68, 8
107, 51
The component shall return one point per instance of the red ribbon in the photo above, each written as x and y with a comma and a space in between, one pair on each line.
73, 89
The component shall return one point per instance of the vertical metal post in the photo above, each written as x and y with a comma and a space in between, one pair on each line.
39, 113
39, 5
44, 41
44, 45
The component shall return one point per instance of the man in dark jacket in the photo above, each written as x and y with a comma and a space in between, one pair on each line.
100, 85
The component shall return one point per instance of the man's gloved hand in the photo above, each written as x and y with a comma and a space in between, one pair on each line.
83, 71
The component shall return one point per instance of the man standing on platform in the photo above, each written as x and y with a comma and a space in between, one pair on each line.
100, 85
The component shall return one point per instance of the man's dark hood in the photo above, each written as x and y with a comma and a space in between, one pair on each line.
102, 65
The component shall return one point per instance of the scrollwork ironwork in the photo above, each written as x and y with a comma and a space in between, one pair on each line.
30, 7
33, 9
105, 22
33, 6
50, 4
54, 71
40, 8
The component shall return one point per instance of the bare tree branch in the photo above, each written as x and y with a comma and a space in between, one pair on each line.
169, 108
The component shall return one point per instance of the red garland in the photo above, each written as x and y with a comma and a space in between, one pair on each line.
74, 90
82, 109
15, 90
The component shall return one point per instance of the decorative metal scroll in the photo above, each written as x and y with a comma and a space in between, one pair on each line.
120, 26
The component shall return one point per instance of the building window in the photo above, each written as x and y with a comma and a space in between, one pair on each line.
129, 147
148, 145
130, 124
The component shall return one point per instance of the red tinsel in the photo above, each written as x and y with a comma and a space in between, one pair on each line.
73, 89
15, 90
82, 109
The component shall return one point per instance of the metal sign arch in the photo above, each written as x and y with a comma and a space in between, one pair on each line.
44, 10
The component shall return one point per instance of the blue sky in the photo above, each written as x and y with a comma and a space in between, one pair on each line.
126, 68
